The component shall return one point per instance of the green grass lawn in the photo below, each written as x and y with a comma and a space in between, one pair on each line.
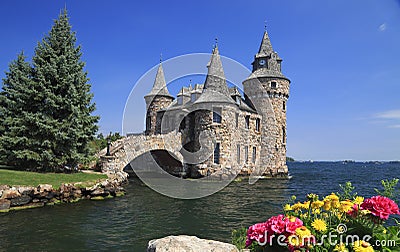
10, 177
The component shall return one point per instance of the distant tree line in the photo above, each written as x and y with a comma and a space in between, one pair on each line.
46, 106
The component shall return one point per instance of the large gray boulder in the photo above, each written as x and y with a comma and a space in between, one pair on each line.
185, 243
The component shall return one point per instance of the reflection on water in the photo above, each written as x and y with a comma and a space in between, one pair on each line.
129, 222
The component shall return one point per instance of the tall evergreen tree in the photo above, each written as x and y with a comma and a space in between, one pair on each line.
18, 111
60, 120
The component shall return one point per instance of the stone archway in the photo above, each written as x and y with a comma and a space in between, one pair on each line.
163, 147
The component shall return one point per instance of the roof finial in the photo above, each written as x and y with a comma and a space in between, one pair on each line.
160, 58
216, 43
265, 25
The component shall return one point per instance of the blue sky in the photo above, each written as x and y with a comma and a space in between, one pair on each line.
343, 58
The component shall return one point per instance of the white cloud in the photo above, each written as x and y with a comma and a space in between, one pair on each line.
391, 114
382, 27
395, 126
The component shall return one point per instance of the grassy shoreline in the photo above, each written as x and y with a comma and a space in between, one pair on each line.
24, 178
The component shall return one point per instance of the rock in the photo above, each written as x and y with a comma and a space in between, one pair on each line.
45, 188
99, 192
21, 200
185, 243
10, 194
4, 187
4, 204
25, 189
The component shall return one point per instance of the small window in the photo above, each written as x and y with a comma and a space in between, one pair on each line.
216, 153
273, 84
247, 119
217, 117
193, 97
284, 105
238, 153
254, 155
258, 124
237, 120
283, 135
246, 153
148, 122
180, 100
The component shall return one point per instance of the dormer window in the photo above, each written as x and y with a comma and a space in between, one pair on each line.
180, 100
273, 84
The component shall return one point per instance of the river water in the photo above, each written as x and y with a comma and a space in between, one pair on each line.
128, 223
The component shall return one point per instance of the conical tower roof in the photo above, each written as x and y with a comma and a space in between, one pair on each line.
159, 86
215, 80
266, 46
215, 87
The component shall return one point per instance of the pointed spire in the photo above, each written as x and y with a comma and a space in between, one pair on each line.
266, 46
160, 85
215, 80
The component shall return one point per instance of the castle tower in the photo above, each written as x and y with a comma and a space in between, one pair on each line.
158, 98
268, 89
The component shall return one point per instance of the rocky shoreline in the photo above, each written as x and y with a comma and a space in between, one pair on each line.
23, 197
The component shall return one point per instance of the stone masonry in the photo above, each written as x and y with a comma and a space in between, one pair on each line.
214, 129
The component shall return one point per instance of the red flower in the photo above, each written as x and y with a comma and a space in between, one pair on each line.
257, 233
354, 211
380, 206
276, 225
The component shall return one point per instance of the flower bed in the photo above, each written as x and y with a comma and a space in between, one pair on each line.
335, 223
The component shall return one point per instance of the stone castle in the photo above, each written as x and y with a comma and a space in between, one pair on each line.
224, 130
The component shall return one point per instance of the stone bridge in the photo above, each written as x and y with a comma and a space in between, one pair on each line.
127, 149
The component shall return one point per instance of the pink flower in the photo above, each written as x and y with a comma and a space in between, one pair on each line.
263, 232
380, 206
276, 224
257, 233
291, 226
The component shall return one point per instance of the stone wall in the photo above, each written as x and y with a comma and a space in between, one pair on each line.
22, 197
156, 104
269, 102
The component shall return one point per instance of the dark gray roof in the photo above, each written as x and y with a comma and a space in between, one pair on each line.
215, 88
159, 86
265, 72
265, 47
215, 80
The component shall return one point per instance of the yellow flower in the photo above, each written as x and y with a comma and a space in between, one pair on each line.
319, 225
297, 206
316, 211
332, 197
345, 206
340, 248
306, 205
317, 204
335, 204
303, 232
327, 204
287, 207
358, 200
362, 246
294, 240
